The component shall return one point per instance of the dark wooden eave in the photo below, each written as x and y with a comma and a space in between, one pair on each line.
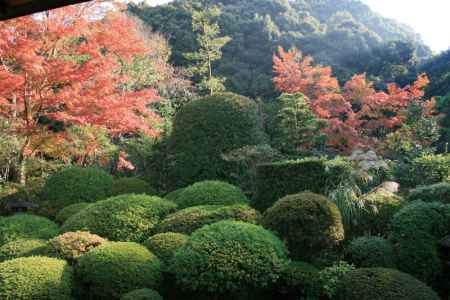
15, 8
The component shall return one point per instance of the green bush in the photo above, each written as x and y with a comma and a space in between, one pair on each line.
142, 294
299, 279
23, 226
229, 257
205, 129
22, 248
35, 278
331, 277
71, 245
371, 252
427, 170
164, 245
121, 218
173, 196
69, 211
116, 268
190, 219
131, 185
210, 193
276, 180
308, 222
381, 283
439, 192
75, 185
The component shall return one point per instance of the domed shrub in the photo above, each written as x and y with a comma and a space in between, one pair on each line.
75, 185
299, 278
23, 226
308, 222
116, 268
34, 278
131, 185
142, 294
227, 257
190, 219
428, 169
164, 245
439, 192
380, 283
370, 252
69, 211
22, 248
205, 129
71, 245
173, 196
210, 193
121, 218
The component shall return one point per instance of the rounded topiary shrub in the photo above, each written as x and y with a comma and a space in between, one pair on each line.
173, 196
22, 248
299, 278
24, 226
69, 211
33, 278
71, 245
74, 185
381, 283
121, 218
229, 257
210, 193
308, 222
190, 219
370, 252
131, 185
116, 268
164, 245
205, 129
142, 294
439, 192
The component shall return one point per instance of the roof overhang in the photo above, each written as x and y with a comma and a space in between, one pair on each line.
16, 8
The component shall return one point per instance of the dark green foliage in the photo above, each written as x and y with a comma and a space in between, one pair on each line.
439, 192
276, 180
35, 278
427, 170
385, 284
308, 223
69, 211
74, 185
370, 252
210, 193
203, 130
438, 69
299, 278
121, 218
142, 294
331, 276
23, 226
22, 248
131, 185
190, 219
164, 245
229, 257
116, 268
173, 196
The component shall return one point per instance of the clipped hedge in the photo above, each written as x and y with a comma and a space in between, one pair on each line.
121, 218
35, 278
229, 257
69, 211
439, 192
308, 222
427, 170
173, 196
299, 278
190, 219
276, 180
75, 185
205, 129
22, 248
24, 226
131, 185
164, 245
371, 252
142, 294
381, 283
210, 193
116, 268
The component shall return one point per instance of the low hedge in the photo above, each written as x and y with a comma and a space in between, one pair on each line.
190, 219
164, 245
116, 268
69, 211
371, 252
173, 196
35, 278
131, 185
439, 192
121, 218
142, 294
24, 226
427, 170
276, 180
299, 278
22, 248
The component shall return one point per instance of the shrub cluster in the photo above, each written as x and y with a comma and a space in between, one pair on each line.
131, 185
173, 196
427, 170
142, 294
308, 222
164, 245
299, 278
190, 219
69, 211
22, 248
24, 226
439, 192
371, 252
121, 218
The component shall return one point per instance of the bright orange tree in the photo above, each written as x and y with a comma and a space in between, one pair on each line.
65, 65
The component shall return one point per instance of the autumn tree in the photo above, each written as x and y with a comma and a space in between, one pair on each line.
63, 66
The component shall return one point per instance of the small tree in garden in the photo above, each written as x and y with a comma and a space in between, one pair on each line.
62, 67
